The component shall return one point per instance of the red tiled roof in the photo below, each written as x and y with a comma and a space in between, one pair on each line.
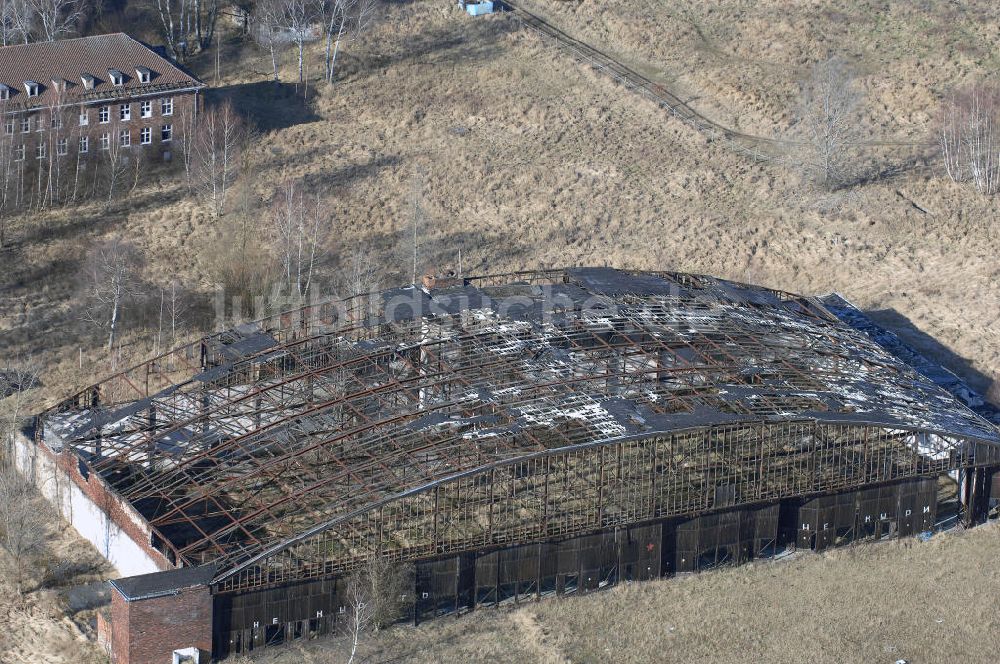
69, 59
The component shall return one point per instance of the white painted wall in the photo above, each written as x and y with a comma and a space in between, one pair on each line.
86, 517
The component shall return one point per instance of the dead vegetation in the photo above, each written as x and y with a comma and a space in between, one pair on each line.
870, 603
529, 160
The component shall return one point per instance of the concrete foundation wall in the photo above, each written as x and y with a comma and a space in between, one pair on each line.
65, 488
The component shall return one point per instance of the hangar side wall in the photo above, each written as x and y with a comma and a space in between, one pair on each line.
101, 518
248, 620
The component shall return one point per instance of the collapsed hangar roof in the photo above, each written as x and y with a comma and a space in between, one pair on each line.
283, 427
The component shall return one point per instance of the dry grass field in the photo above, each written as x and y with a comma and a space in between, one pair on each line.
519, 158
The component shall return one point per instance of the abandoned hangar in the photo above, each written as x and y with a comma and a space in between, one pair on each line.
513, 436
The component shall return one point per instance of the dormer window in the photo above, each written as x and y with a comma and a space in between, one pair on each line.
33, 88
59, 84
143, 74
117, 78
88, 81
4, 92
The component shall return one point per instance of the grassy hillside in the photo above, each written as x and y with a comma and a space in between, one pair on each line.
519, 157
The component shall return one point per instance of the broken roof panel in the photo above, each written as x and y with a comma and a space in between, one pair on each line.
294, 426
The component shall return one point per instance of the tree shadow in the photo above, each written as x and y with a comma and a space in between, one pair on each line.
266, 104
96, 220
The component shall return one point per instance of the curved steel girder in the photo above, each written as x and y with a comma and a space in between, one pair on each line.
226, 573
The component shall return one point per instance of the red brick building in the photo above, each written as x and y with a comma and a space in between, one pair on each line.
154, 614
82, 97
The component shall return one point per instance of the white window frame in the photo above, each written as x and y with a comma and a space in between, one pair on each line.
26, 124
84, 146
62, 147
104, 114
124, 138
166, 133
19, 152
167, 106
145, 135
125, 112
41, 150
84, 117
145, 109
9, 126
56, 122
106, 140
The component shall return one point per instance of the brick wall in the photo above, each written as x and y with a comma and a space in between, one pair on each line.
52, 471
72, 130
147, 631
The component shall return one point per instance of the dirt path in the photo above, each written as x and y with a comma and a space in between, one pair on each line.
537, 638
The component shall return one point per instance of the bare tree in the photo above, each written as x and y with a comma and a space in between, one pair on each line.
173, 21
360, 273
343, 19
337, 15
8, 172
115, 147
111, 278
377, 593
297, 17
266, 18
188, 25
299, 229
828, 129
416, 216
220, 136
172, 315
15, 21
16, 381
186, 138
970, 137
56, 18
22, 523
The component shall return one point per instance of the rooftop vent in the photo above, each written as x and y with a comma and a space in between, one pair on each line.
33, 88
117, 78
144, 74
88, 81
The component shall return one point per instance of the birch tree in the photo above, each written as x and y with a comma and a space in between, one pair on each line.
298, 17
343, 19
112, 282
188, 25
56, 18
220, 136
187, 137
15, 21
266, 18
335, 22
378, 593
299, 228
114, 160
970, 137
